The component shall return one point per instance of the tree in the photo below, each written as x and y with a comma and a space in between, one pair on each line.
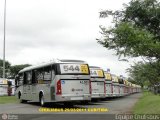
136, 34
145, 74
7, 67
16, 68
11, 71
136, 30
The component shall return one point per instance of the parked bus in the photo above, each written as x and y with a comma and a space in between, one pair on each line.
56, 81
138, 88
125, 87
108, 82
11, 84
115, 85
3, 87
121, 86
97, 82
130, 87
7, 87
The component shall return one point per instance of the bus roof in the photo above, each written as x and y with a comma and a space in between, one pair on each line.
94, 67
50, 63
67, 60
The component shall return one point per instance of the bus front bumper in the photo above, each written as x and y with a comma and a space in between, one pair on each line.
98, 95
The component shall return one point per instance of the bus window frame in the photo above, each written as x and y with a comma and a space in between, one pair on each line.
25, 81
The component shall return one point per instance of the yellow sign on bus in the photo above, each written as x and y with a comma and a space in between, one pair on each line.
5, 81
108, 76
100, 73
84, 69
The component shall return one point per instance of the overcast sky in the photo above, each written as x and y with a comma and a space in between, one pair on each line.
40, 30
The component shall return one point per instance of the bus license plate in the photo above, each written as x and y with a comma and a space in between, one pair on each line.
77, 98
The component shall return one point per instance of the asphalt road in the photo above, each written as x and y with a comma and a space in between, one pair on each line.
90, 111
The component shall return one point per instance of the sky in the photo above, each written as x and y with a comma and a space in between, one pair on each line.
40, 30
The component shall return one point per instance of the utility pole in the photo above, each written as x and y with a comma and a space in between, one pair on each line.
4, 42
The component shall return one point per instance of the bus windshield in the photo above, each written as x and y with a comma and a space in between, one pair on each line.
96, 73
115, 78
108, 76
78, 69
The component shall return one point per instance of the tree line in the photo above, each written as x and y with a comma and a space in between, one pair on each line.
11, 70
136, 34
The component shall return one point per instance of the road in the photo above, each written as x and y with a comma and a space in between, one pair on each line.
114, 106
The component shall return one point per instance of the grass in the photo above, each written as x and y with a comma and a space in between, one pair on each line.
8, 99
148, 104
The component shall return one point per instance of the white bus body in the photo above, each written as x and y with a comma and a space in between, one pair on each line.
97, 82
108, 82
3, 87
12, 81
121, 86
115, 85
56, 81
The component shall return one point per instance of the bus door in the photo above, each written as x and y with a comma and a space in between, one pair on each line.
27, 86
35, 76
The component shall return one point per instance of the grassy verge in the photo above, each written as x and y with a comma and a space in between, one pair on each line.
8, 99
148, 104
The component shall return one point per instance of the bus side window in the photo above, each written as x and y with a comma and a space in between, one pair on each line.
47, 74
34, 79
39, 75
27, 77
19, 80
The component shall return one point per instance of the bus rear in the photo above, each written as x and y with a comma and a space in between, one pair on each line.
72, 83
97, 82
115, 85
108, 83
121, 86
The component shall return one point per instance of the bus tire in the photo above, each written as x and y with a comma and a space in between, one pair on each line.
42, 102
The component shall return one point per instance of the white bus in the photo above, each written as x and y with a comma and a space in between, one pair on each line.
56, 81
3, 87
115, 85
97, 82
108, 83
121, 86
7, 86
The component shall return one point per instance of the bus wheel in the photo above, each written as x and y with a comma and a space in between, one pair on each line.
42, 103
